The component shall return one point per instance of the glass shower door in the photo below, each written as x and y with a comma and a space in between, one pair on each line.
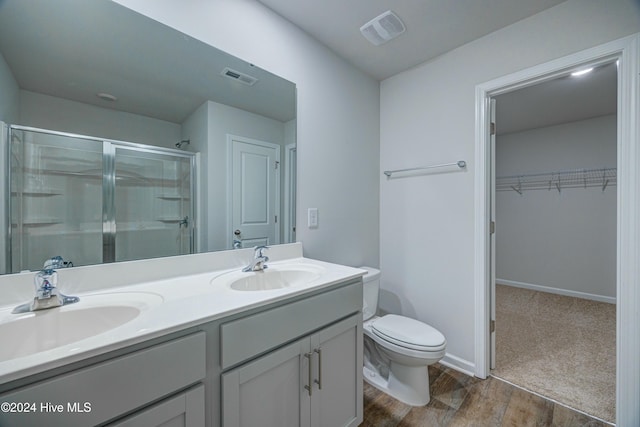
153, 203
56, 199
92, 201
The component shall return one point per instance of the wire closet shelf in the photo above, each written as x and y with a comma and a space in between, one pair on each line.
559, 180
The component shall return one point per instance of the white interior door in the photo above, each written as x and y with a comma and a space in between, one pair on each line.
255, 192
492, 231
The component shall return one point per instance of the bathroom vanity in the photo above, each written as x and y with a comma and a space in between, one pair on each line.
281, 347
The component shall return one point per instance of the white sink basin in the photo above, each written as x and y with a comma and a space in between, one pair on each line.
274, 277
34, 332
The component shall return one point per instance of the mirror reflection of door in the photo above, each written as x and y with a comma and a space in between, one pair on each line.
254, 178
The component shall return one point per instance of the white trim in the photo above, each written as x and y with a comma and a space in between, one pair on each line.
4, 203
557, 291
289, 190
458, 364
482, 215
628, 269
627, 50
200, 215
229, 177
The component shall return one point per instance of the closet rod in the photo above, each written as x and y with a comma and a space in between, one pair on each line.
460, 163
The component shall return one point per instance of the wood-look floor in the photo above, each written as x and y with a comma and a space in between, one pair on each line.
461, 400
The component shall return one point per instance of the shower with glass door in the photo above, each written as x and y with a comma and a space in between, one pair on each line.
93, 200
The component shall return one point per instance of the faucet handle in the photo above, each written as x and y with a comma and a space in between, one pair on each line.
260, 250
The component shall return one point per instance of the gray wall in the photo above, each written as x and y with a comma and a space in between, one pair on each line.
48, 112
223, 120
562, 240
195, 128
9, 100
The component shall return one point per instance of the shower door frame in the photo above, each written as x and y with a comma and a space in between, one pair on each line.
109, 146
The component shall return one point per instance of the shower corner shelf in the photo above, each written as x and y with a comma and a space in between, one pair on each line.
44, 193
173, 197
35, 224
169, 220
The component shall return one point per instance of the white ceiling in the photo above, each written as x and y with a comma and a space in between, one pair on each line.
561, 100
433, 26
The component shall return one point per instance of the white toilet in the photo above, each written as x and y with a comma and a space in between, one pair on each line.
397, 349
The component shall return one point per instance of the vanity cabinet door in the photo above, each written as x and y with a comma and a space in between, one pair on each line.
313, 382
266, 392
183, 410
337, 399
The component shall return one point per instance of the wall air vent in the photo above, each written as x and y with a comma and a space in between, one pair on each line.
239, 77
383, 28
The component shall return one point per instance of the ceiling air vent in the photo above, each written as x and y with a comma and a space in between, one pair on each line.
383, 28
239, 77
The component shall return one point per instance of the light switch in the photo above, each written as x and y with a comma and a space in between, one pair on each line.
312, 217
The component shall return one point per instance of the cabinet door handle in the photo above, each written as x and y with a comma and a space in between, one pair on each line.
319, 380
309, 387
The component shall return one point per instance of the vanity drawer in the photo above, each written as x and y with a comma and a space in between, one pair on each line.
111, 388
250, 336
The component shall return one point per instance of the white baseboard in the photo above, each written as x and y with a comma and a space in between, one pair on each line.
565, 292
461, 365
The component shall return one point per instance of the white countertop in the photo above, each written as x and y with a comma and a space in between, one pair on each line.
182, 302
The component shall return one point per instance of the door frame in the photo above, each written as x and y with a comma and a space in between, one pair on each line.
290, 182
271, 145
627, 51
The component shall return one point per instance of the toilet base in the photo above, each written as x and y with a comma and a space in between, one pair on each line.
409, 385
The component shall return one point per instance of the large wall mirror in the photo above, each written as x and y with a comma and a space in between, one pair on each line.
125, 139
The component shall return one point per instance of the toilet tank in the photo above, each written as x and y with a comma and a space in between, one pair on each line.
370, 288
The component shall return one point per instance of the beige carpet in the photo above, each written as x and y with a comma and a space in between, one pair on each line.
560, 347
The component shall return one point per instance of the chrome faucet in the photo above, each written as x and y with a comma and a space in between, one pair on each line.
47, 292
259, 260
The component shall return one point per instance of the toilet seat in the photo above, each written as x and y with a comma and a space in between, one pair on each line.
408, 333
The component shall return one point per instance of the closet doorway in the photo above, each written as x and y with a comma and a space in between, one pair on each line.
625, 52
555, 158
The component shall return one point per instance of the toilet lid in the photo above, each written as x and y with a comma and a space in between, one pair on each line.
409, 333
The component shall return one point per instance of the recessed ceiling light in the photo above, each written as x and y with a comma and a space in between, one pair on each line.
106, 97
581, 72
